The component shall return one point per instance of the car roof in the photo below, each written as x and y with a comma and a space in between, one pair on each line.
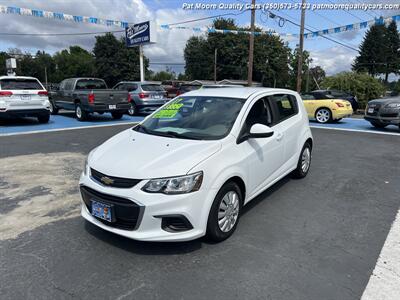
140, 82
234, 92
17, 77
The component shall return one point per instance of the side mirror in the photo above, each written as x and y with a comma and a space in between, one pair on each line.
260, 131
256, 131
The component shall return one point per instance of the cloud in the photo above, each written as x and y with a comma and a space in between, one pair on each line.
168, 49
333, 60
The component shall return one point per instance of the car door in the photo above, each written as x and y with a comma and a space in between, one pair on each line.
310, 104
264, 156
287, 120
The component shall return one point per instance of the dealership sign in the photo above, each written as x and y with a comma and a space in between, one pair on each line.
139, 34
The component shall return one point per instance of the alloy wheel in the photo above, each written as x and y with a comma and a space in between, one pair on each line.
228, 211
305, 160
323, 115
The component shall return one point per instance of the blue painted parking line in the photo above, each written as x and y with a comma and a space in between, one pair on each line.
67, 121
60, 122
353, 124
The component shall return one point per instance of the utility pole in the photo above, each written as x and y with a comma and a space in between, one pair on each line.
141, 63
215, 65
251, 46
308, 77
301, 46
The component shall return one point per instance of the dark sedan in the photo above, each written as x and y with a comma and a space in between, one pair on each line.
383, 112
335, 94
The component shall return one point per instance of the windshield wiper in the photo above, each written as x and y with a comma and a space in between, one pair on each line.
142, 128
175, 135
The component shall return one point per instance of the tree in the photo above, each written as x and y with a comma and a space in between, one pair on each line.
362, 85
379, 51
77, 62
114, 61
270, 55
198, 62
3, 58
317, 75
294, 58
393, 50
164, 75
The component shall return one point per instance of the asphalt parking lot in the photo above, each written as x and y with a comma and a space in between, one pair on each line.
316, 238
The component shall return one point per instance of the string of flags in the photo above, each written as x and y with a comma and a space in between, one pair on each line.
123, 24
59, 16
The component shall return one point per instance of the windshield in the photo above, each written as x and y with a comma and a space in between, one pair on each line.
188, 88
90, 84
194, 117
152, 88
20, 84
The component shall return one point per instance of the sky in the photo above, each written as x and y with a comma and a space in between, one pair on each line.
331, 56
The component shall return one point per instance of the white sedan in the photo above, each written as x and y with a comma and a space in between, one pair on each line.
187, 170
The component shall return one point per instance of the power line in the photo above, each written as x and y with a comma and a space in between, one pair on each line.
348, 12
206, 18
308, 29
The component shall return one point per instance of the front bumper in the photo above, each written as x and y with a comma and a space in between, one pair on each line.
193, 207
383, 120
19, 113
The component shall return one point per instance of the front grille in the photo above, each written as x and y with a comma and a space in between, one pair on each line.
389, 115
112, 181
127, 213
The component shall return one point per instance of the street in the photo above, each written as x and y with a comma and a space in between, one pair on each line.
315, 238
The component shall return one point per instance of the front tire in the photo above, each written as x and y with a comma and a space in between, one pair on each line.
44, 119
132, 111
80, 114
323, 115
225, 212
378, 125
304, 163
116, 115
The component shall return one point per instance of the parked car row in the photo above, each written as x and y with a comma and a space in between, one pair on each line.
22, 96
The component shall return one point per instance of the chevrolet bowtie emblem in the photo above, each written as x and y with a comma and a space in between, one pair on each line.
106, 180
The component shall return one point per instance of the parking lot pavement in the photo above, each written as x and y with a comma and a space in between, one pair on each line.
316, 238
65, 120
357, 124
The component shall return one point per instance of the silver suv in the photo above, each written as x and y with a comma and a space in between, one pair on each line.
145, 97
23, 97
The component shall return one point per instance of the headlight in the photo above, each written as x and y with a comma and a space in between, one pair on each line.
393, 105
175, 185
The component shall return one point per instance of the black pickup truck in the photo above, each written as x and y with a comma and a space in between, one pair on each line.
88, 95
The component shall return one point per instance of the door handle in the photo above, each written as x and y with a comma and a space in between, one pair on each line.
279, 136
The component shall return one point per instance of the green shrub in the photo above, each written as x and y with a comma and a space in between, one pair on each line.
362, 85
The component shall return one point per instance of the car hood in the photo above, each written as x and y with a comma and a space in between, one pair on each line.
385, 101
131, 154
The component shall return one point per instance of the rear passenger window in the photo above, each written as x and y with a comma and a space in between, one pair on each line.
284, 106
68, 85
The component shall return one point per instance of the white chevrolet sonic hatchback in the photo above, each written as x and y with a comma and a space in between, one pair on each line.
187, 169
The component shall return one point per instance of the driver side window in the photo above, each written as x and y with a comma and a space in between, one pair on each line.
260, 113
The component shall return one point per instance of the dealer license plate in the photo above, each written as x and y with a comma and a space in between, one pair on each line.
370, 110
112, 107
102, 211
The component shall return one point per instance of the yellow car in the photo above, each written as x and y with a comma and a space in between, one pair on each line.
326, 110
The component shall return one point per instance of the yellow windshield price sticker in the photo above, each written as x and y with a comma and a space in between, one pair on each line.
169, 111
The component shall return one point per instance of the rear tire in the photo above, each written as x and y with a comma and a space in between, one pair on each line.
43, 119
116, 115
80, 114
224, 213
323, 115
304, 163
53, 108
132, 110
378, 125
